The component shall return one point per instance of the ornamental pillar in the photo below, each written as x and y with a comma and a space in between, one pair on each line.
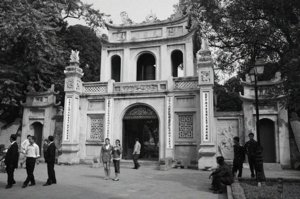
73, 89
207, 148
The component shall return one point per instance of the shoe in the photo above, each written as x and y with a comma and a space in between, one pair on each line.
134, 168
8, 186
32, 184
46, 184
54, 182
24, 186
14, 182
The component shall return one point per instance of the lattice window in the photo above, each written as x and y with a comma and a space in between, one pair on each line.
185, 126
186, 84
95, 89
97, 128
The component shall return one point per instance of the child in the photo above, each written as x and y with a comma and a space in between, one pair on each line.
117, 151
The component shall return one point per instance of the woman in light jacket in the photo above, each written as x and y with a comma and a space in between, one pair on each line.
105, 156
117, 151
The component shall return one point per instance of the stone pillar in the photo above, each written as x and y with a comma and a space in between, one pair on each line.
73, 89
207, 149
284, 139
169, 127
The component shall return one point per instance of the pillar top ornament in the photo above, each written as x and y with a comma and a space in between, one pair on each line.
204, 58
74, 57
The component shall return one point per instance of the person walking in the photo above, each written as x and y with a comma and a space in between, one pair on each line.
24, 145
105, 156
32, 153
251, 148
239, 157
136, 153
11, 161
221, 176
50, 160
117, 151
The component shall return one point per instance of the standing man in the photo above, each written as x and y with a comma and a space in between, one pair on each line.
50, 160
11, 160
238, 158
251, 147
136, 153
32, 153
24, 145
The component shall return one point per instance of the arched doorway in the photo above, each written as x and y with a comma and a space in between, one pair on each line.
267, 138
146, 67
141, 122
116, 68
38, 133
177, 63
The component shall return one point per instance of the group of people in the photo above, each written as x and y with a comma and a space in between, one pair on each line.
31, 152
223, 175
109, 152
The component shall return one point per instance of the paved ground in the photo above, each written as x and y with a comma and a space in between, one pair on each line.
84, 182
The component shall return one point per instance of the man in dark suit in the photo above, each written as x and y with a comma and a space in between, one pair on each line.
11, 161
50, 160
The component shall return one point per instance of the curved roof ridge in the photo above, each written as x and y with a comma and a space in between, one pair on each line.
140, 25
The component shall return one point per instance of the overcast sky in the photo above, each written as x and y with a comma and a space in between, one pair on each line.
137, 10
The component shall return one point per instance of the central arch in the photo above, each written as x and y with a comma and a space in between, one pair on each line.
141, 121
145, 67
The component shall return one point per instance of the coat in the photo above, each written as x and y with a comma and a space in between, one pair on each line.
50, 153
12, 156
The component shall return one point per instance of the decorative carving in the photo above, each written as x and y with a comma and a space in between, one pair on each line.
205, 76
78, 83
138, 88
97, 128
70, 83
119, 36
226, 130
205, 116
125, 19
170, 122
185, 126
151, 17
146, 34
140, 112
74, 57
175, 31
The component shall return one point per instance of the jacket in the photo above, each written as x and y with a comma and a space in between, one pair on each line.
50, 153
12, 156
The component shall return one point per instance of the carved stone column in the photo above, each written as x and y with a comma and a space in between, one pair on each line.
207, 148
73, 89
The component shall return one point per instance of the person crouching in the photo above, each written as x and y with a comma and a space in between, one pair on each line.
221, 176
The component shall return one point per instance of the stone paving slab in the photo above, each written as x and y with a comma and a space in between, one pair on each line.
82, 181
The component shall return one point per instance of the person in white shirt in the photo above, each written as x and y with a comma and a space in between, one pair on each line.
136, 153
24, 145
32, 153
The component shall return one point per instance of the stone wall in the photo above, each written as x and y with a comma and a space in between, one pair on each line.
228, 125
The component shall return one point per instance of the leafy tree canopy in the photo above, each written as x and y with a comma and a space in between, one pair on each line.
32, 46
244, 30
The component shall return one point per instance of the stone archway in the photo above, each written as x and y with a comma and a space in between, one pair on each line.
38, 133
267, 138
141, 121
